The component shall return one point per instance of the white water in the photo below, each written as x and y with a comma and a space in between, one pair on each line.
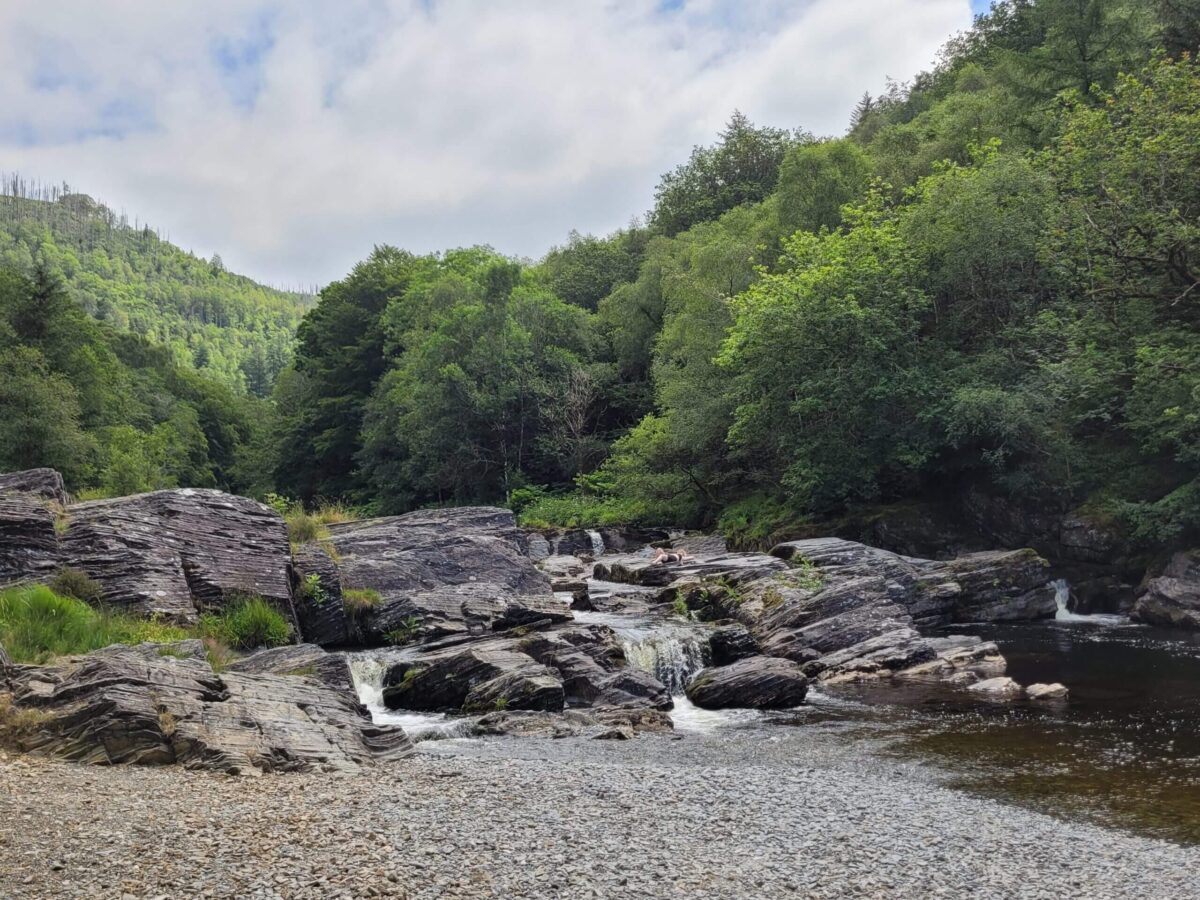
1062, 598
670, 657
689, 717
368, 670
597, 543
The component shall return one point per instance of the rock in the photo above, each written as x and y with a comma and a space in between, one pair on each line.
732, 567
317, 593
45, 484
1001, 585
620, 733
571, 723
451, 571
300, 660
759, 682
118, 706
1173, 599
1087, 538
489, 675
629, 538
959, 659
729, 643
1001, 688
28, 540
563, 566
182, 552
1054, 691
593, 668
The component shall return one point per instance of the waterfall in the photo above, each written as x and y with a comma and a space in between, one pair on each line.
1062, 598
671, 658
597, 543
368, 670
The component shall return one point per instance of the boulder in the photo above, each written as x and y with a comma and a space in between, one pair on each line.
729, 643
759, 682
300, 661
119, 705
449, 571
179, 553
1001, 585
999, 688
1173, 598
1054, 691
489, 675
44, 484
317, 593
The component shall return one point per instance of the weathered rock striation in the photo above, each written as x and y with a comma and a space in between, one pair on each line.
759, 682
317, 593
181, 552
126, 705
445, 572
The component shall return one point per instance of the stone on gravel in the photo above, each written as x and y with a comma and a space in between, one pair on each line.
759, 682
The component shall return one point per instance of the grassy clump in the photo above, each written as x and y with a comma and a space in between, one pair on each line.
76, 583
358, 600
247, 623
306, 527
37, 624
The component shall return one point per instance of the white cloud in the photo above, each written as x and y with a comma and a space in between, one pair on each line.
421, 123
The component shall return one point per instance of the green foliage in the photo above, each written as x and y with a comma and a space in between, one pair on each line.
358, 601
407, 632
246, 623
37, 624
76, 583
311, 589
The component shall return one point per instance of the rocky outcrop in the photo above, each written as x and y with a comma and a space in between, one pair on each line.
1000, 585
730, 567
729, 643
578, 666
28, 540
317, 596
125, 705
179, 553
446, 571
300, 661
1173, 598
759, 682
44, 484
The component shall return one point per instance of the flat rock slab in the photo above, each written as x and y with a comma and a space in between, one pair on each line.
446, 571
733, 567
178, 553
118, 706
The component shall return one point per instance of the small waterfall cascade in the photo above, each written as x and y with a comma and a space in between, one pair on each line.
368, 670
597, 540
671, 657
1062, 598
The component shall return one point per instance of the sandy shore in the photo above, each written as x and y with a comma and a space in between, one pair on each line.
654, 817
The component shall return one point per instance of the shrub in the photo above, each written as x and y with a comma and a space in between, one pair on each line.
580, 510
409, 631
76, 583
310, 589
247, 623
303, 527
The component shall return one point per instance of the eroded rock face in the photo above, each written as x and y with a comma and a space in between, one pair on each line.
178, 553
759, 682
731, 567
128, 705
1173, 599
28, 541
317, 597
729, 643
450, 571
45, 484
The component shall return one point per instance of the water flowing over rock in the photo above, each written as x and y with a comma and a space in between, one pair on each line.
1173, 599
177, 553
759, 682
122, 705
449, 571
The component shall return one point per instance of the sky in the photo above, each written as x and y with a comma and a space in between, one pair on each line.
292, 136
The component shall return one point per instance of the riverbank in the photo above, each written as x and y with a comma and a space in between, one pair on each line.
724, 814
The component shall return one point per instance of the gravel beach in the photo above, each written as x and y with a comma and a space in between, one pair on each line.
717, 815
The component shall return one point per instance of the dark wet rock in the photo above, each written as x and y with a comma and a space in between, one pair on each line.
118, 706
1000, 585
1173, 598
633, 688
759, 682
577, 542
628, 539
476, 677
729, 643
44, 484
731, 567
317, 593
178, 553
28, 540
451, 571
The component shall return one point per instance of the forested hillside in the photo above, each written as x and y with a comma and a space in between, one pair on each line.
228, 327
989, 284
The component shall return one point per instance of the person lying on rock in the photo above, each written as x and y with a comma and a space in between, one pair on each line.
663, 556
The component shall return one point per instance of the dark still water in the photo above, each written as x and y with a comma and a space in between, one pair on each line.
1123, 751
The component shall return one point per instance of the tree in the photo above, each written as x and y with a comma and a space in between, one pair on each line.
816, 180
